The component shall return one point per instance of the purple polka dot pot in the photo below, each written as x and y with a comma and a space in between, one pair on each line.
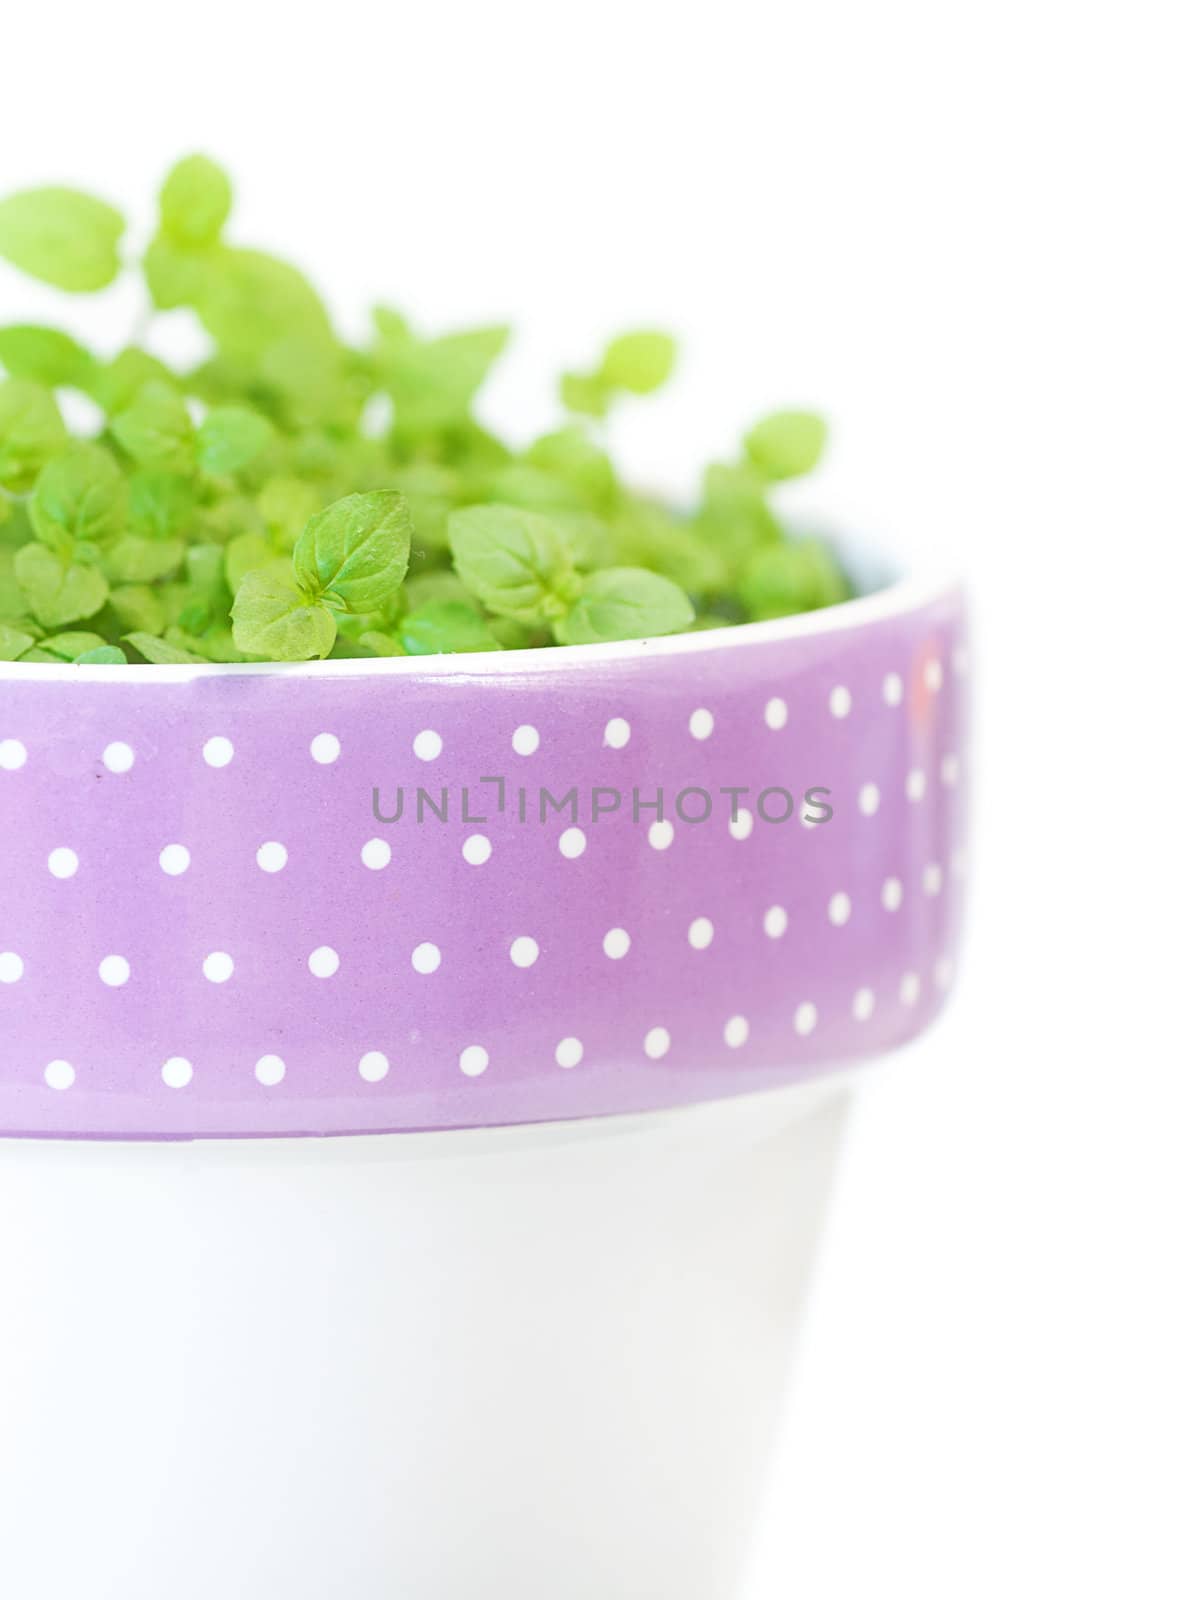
536, 929
351, 897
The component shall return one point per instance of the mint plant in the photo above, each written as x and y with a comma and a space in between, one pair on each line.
297, 496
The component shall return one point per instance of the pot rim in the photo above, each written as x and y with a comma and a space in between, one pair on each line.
906, 593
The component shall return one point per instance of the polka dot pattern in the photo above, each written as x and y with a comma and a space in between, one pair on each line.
376, 854
177, 1073
272, 856
118, 756
222, 916
325, 748
174, 859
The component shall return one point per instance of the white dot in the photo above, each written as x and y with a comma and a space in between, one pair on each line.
572, 843
776, 921
840, 701
776, 713
270, 1070
863, 1002
617, 733
272, 856
323, 962
118, 756
932, 878
702, 723
616, 943
59, 1075
428, 744
374, 1066
891, 689
943, 971
891, 894
325, 748
569, 1052
376, 854
740, 825
174, 859
916, 783
908, 989
701, 932
176, 1073
869, 799
13, 755
473, 1060
63, 863
218, 967
735, 1031
949, 771
114, 971
426, 958
839, 908
933, 674
656, 1043
525, 741
524, 950
11, 966
476, 849
660, 835
218, 751
805, 1018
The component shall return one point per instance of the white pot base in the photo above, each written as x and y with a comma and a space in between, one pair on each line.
508, 1364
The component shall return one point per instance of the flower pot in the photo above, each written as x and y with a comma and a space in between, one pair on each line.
415, 1197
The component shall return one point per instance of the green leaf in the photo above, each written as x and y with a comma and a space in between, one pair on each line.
444, 625
433, 382
161, 504
638, 362
286, 506
429, 586
138, 607
63, 237
159, 652
229, 438
272, 618
58, 593
70, 646
803, 576
648, 535
735, 514
80, 495
195, 201
624, 603
32, 432
136, 559
13, 643
356, 549
585, 394
381, 644
156, 430
571, 455
116, 385
786, 444
105, 655
176, 275
514, 561
249, 552
251, 300
46, 356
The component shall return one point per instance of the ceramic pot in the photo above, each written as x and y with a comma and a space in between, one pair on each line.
420, 1083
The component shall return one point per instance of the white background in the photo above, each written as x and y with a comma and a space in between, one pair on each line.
965, 231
